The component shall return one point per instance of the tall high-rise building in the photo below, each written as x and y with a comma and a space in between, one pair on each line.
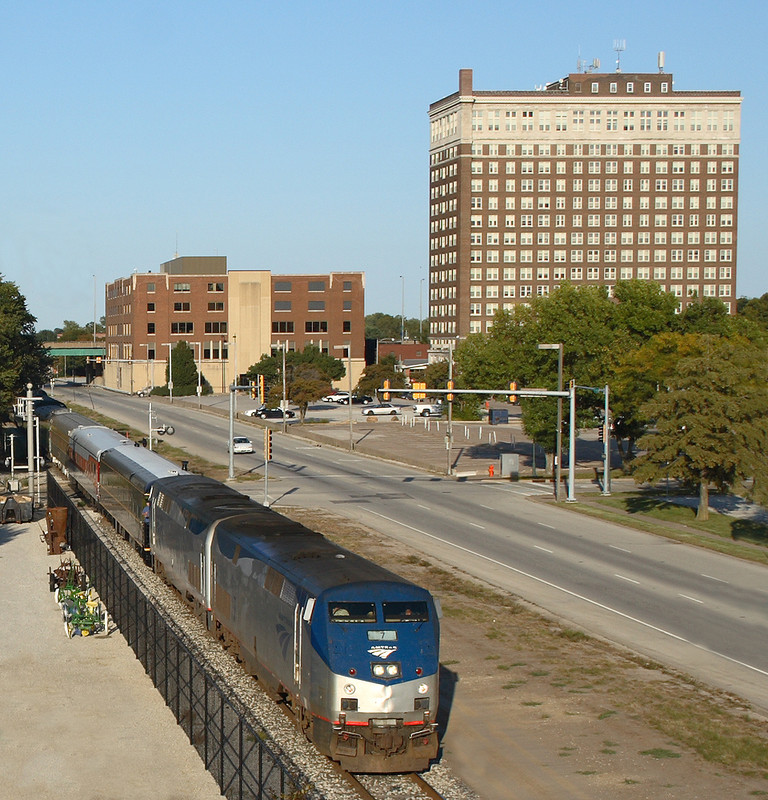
595, 178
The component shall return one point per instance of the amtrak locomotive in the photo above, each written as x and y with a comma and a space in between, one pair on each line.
351, 647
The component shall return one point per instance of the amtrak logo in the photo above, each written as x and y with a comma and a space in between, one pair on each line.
382, 651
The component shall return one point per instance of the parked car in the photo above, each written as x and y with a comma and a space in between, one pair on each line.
240, 444
428, 409
269, 413
385, 409
144, 392
356, 399
333, 397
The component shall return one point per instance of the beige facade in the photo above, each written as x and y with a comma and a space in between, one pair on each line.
595, 178
229, 318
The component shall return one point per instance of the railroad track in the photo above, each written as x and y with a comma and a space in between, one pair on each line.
407, 786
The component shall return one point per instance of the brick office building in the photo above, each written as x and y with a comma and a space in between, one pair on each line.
594, 178
229, 317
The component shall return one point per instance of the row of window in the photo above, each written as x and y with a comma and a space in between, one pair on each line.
546, 238
596, 167
627, 256
544, 201
312, 286
597, 120
624, 273
312, 305
189, 327
186, 306
313, 326
586, 149
606, 220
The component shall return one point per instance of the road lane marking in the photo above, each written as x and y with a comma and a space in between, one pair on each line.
426, 508
616, 547
712, 578
575, 595
692, 599
475, 525
542, 548
544, 525
625, 578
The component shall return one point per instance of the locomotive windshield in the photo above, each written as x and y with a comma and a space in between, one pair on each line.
406, 612
352, 612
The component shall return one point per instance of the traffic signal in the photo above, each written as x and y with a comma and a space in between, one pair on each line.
253, 390
262, 392
449, 395
512, 387
387, 395
267, 444
418, 393
601, 433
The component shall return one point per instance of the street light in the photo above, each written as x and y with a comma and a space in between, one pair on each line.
402, 310
169, 345
559, 440
348, 348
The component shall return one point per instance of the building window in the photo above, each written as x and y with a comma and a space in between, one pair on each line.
316, 305
282, 286
216, 306
316, 326
282, 305
150, 327
346, 326
181, 287
150, 307
316, 286
181, 307
282, 327
215, 287
215, 327
182, 327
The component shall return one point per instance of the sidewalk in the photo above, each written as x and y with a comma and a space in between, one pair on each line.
79, 718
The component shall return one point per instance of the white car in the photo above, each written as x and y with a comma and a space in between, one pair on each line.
385, 409
334, 397
241, 444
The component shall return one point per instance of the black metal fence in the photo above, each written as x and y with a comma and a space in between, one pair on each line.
233, 751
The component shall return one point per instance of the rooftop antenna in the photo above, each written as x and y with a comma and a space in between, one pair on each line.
619, 45
661, 61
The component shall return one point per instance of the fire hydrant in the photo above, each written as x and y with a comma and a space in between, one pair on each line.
490, 470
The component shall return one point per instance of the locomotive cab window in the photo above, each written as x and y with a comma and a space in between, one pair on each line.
406, 612
352, 612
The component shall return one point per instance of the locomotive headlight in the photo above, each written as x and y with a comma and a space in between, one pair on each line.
423, 688
393, 670
349, 688
378, 670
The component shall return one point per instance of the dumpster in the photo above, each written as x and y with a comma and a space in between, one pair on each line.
498, 416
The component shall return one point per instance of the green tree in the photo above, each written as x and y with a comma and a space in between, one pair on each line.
308, 376
374, 376
755, 309
184, 373
22, 358
711, 421
388, 326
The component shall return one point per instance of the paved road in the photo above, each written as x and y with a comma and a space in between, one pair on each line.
695, 610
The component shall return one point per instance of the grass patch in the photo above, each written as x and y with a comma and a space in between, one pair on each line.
607, 714
653, 513
531, 703
660, 752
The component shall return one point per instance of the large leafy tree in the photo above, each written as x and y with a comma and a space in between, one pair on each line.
711, 419
308, 375
184, 373
375, 374
388, 326
22, 358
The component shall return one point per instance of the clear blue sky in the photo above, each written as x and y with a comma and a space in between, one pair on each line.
294, 136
